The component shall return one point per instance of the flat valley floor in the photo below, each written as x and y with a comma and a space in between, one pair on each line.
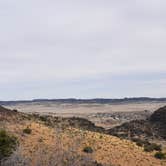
105, 115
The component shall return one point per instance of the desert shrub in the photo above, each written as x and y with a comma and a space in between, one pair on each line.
7, 144
88, 149
140, 142
156, 147
27, 130
148, 147
97, 164
15, 110
43, 118
152, 147
160, 155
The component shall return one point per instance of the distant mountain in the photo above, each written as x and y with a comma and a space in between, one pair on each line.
96, 100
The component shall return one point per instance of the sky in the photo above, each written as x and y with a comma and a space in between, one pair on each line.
82, 49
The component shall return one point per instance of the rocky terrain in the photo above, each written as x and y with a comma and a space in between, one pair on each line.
56, 141
152, 129
103, 112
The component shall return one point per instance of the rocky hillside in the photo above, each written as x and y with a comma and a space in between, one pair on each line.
75, 122
6, 111
159, 116
158, 119
45, 142
152, 128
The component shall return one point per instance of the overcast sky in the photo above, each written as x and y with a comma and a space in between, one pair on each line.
82, 48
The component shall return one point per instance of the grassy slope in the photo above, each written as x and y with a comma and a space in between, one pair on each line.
107, 149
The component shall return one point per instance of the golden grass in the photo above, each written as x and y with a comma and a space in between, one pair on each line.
107, 149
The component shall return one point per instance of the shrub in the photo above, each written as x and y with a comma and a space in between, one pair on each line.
88, 149
148, 147
152, 147
98, 164
7, 144
160, 155
43, 118
15, 110
156, 147
27, 131
140, 142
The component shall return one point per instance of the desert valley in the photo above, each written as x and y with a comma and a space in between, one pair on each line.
83, 133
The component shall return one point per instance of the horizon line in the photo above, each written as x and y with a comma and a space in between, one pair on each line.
84, 99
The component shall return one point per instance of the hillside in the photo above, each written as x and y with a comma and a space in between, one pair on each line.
152, 128
47, 144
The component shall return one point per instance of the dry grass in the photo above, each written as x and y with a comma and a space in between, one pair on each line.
44, 144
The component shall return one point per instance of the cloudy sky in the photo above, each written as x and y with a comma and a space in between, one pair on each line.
82, 48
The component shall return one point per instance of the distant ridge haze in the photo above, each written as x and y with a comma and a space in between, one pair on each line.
93, 100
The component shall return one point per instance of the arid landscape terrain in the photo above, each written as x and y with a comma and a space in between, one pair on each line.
83, 83
51, 133
32, 140
102, 114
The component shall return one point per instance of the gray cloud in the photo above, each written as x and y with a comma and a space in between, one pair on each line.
68, 40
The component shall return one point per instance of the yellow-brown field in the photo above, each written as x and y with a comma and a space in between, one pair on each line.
45, 141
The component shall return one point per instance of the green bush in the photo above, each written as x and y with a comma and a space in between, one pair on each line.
160, 155
27, 131
88, 149
8, 143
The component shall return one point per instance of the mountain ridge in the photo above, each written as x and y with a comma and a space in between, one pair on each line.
93, 100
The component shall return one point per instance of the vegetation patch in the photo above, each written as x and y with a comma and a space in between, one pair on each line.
43, 118
148, 147
88, 149
8, 143
160, 155
27, 130
152, 147
140, 142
